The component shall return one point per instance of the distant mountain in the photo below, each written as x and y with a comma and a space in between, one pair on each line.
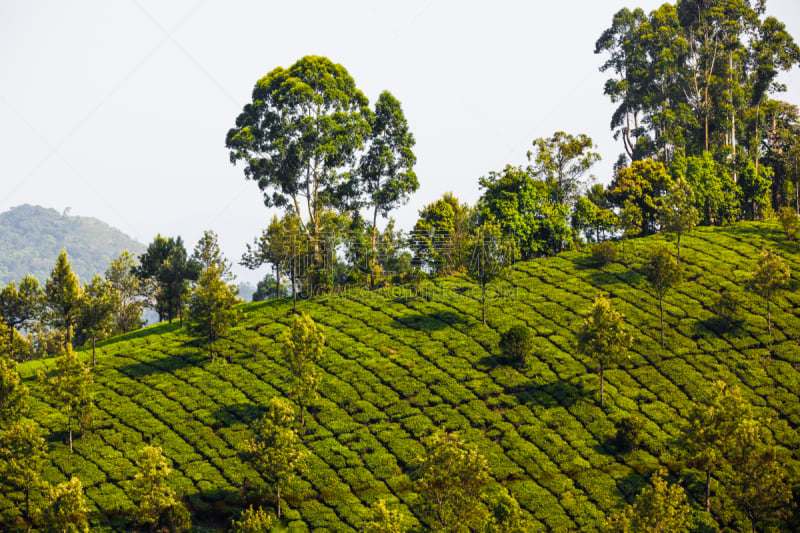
31, 238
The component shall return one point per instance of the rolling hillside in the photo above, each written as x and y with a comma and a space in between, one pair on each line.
31, 238
398, 366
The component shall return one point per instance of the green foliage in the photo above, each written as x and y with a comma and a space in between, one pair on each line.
516, 343
309, 116
790, 222
561, 161
728, 308
212, 311
677, 212
96, 312
253, 521
22, 454
69, 387
662, 273
451, 478
62, 296
13, 394
604, 253
604, 338
385, 520
275, 448
440, 235
302, 348
490, 256
659, 507
629, 433
770, 275
149, 490
165, 262
31, 238
67, 512
130, 293
641, 184
19, 307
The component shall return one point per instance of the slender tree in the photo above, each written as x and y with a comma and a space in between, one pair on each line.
604, 338
451, 479
150, 491
630, 221
67, 512
13, 394
69, 386
96, 311
677, 211
130, 291
212, 310
166, 262
62, 293
659, 507
22, 454
490, 256
770, 274
20, 306
275, 448
709, 434
562, 160
385, 520
662, 273
303, 348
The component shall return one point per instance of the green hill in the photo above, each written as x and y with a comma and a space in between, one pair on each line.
31, 238
398, 366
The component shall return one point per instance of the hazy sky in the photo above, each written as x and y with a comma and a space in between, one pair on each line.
119, 109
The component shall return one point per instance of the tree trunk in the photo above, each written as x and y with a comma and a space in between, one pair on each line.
69, 425
94, 360
679, 249
483, 301
661, 310
769, 321
278, 497
708, 490
294, 285
602, 389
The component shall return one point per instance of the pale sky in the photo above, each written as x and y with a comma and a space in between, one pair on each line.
119, 109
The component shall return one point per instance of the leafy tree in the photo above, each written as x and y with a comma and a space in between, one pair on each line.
385, 520
506, 514
282, 245
62, 294
69, 386
490, 258
662, 273
299, 136
641, 184
67, 512
387, 169
20, 306
302, 349
22, 454
759, 483
516, 344
659, 507
96, 311
562, 160
274, 448
526, 211
166, 262
677, 212
207, 254
770, 274
13, 394
253, 521
713, 191
450, 479
212, 310
790, 222
129, 290
604, 253
710, 432
265, 289
604, 338
149, 490
728, 307
440, 236
755, 185
629, 432
630, 221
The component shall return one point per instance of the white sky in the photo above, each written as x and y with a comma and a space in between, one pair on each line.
119, 109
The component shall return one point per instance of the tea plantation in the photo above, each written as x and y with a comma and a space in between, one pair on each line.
401, 363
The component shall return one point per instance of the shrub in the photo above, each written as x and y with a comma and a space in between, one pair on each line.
790, 222
629, 433
604, 253
516, 344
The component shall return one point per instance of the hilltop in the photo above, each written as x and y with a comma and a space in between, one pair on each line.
401, 363
31, 238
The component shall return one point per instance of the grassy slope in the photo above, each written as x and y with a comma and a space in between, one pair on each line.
397, 368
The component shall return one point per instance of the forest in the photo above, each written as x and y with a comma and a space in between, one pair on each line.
562, 355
